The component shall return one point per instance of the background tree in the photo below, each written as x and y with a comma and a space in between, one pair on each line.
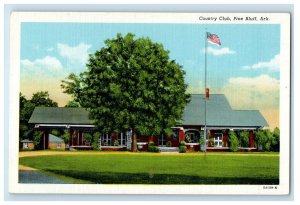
276, 139
72, 103
42, 99
131, 84
260, 139
26, 130
26, 109
74, 85
269, 139
66, 136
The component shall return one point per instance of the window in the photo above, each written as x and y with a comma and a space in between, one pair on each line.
26, 145
192, 136
122, 139
175, 134
106, 140
58, 145
162, 140
218, 139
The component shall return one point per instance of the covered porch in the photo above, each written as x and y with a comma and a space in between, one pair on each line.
217, 138
75, 120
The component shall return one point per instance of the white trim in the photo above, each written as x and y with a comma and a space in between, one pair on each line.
180, 128
193, 143
122, 137
106, 138
192, 129
61, 125
218, 140
192, 133
232, 128
142, 143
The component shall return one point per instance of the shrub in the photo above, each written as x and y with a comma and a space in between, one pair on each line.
152, 147
96, 140
151, 144
182, 149
202, 141
244, 136
116, 143
182, 143
87, 139
234, 141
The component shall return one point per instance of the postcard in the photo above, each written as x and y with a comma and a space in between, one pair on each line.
149, 103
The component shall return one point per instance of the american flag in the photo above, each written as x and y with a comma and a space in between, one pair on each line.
213, 38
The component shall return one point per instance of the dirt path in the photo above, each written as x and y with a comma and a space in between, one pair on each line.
25, 168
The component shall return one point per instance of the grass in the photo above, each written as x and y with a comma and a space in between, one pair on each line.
144, 168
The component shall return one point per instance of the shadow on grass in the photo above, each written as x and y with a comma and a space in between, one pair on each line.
146, 178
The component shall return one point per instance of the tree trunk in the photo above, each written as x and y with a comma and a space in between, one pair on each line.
134, 142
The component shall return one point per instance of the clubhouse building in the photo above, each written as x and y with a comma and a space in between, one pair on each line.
220, 119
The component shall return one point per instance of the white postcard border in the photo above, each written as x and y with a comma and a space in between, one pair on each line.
125, 17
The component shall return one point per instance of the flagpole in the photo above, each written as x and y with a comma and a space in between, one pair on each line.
205, 92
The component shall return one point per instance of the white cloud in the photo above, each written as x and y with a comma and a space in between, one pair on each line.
272, 65
43, 74
76, 55
219, 51
42, 64
261, 93
262, 83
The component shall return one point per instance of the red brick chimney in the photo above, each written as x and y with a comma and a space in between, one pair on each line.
207, 93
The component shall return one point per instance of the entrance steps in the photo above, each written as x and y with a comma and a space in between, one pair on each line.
168, 149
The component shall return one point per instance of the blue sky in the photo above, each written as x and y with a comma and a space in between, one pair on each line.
245, 67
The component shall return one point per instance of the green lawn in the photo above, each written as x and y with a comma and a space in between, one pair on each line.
161, 169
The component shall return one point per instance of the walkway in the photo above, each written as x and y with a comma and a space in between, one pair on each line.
36, 177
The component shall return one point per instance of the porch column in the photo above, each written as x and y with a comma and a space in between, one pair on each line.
211, 135
71, 137
114, 137
181, 135
225, 138
45, 139
75, 138
251, 139
81, 138
150, 139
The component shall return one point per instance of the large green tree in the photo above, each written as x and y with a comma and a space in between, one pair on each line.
131, 83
